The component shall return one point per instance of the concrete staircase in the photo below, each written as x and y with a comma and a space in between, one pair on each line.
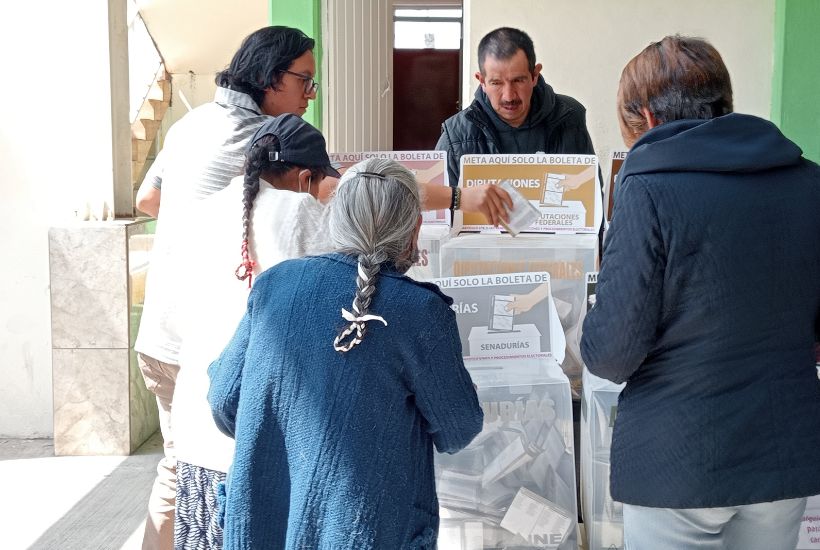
146, 126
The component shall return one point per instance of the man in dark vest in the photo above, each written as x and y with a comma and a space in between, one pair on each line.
515, 110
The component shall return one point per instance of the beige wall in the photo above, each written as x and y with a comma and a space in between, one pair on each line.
55, 154
197, 39
56, 143
584, 44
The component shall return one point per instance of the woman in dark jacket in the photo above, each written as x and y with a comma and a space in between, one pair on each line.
708, 306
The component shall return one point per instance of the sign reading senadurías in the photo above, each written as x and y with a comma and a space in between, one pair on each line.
505, 315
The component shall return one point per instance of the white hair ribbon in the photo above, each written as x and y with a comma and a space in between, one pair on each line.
361, 319
357, 326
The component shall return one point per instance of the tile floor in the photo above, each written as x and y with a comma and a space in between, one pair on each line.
73, 503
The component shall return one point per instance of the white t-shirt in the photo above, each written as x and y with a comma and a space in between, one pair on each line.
203, 151
284, 225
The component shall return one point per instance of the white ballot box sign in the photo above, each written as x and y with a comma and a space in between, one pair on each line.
567, 258
505, 315
428, 265
809, 538
564, 189
428, 167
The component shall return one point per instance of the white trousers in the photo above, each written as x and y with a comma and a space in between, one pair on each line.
764, 526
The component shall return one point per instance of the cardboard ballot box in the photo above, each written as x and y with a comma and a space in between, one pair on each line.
514, 485
603, 517
505, 315
431, 237
567, 258
564, 189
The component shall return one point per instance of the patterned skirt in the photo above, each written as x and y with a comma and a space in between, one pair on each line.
196, 524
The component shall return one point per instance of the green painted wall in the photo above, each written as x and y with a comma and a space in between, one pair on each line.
305, 15
796, 75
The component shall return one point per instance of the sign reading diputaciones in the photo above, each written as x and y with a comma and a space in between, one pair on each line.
564, 188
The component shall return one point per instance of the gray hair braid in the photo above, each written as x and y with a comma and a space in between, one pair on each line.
373, 217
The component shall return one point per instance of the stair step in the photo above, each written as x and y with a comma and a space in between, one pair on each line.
140, 149
161, 88
153, 109
145, 129
136, 171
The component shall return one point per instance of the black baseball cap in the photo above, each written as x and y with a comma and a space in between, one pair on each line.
299, 143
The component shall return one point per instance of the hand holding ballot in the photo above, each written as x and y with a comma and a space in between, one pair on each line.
490, 200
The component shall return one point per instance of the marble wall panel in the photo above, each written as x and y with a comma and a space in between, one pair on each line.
101, 405
91, 401
89, 286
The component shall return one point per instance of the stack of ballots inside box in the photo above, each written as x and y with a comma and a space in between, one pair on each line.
567, 258
603, 517
514, 485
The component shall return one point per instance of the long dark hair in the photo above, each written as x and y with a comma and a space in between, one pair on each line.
257, 163
261, 58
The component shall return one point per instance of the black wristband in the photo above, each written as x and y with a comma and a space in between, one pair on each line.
455, 199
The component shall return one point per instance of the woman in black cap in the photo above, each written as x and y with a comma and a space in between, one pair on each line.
280, 216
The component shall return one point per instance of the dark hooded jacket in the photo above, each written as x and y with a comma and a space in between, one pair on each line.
555, 124
708, 306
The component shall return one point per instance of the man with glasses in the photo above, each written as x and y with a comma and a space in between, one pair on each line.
272, 73
310, 84
515, 110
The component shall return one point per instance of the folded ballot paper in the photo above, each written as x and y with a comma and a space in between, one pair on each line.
522, 215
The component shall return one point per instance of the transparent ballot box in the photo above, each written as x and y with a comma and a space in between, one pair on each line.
809, 536
567, 258
514, 485
428, 266
603, 517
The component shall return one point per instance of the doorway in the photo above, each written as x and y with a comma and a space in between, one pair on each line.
426, 72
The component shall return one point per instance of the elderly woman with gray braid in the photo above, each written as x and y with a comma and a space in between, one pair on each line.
341, 379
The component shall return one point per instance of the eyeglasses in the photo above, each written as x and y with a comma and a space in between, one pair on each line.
310, 84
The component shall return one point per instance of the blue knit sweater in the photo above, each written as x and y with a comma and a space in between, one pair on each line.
335, 450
